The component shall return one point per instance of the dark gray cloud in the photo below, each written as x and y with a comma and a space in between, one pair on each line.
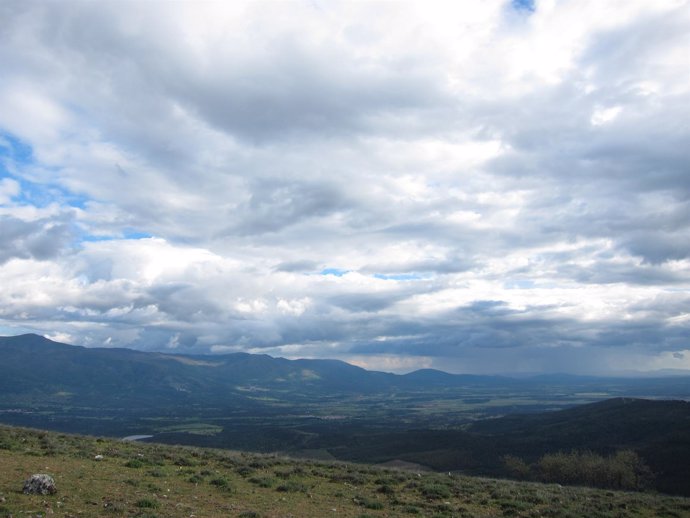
42, 239
297, 266
275, 203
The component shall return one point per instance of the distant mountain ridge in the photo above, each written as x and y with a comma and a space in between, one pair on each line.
35, 365
41, 366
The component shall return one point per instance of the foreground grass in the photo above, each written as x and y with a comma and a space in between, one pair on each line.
149, 480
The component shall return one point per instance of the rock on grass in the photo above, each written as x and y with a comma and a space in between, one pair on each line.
39, 484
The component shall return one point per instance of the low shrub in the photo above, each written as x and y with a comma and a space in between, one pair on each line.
147, 503
262, 481
220, 483
435, 491
292, 486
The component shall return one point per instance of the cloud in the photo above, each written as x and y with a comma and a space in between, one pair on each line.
39, 240
8, 189
500, 185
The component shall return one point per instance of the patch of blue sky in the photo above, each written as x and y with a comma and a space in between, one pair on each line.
338, 272
135, 234
523, 5
73, 200
414, 276
129, 234
17, 155
518, 284
15, 149
42, 195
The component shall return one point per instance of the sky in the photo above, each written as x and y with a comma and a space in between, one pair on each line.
479, 186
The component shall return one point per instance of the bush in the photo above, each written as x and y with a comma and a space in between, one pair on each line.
264, 482
373, 504
385, 489
292, 486
147, 503
184, 461
435, 491
624, 470
516, 467
368, 503
244, 471
220, 482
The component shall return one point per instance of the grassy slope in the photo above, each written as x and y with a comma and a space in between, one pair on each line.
148, 480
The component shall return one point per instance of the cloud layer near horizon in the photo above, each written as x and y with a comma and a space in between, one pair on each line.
475, 186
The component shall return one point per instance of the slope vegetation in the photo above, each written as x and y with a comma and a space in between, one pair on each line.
101, 477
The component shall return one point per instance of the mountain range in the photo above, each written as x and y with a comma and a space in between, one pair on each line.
36, 367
